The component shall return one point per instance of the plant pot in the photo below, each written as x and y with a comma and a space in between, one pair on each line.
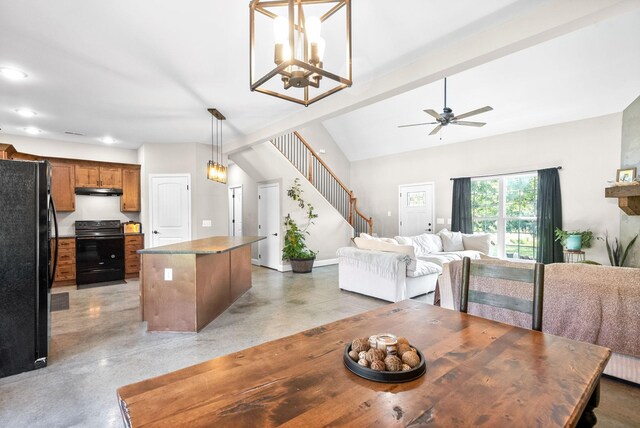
574, 242
302, 265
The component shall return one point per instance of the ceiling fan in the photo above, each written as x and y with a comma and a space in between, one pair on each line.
448, 118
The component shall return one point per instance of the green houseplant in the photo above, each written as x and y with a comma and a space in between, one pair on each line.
574, 240
295, 249
617, 252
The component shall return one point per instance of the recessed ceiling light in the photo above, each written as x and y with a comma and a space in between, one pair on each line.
12, 73
32, 130
108, 140
25, 112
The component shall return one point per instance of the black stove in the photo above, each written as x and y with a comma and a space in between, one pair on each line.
99, 251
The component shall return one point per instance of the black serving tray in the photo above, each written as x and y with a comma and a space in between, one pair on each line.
384, 376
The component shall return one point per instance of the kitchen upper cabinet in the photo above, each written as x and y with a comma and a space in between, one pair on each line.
130, 200
63, 186
98, 176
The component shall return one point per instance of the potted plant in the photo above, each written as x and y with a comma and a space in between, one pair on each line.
617, 252
295, 249
574, 240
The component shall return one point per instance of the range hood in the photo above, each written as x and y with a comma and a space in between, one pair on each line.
98, 191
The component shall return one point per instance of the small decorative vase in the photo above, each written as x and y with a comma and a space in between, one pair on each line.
574, 242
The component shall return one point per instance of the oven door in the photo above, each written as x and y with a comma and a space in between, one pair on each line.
99, 259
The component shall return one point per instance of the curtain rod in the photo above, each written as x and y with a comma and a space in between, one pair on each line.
508, 173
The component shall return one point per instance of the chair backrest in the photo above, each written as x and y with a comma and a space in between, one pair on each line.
535, 277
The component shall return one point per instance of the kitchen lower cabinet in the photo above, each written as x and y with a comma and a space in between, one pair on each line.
66, 267
132, 243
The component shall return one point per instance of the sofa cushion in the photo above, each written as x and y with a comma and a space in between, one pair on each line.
441, 258
477, 241
424, 268
374, 238
451, 241
422, 244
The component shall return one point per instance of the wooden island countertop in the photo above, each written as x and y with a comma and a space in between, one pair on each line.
212, 245
187, 285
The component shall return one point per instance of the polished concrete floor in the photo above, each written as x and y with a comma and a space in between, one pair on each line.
99, 345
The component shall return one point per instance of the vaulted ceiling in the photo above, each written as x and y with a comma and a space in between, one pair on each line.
145, 71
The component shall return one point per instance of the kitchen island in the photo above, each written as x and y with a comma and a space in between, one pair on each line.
185, 286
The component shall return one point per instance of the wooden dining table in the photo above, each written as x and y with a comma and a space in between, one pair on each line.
480, 373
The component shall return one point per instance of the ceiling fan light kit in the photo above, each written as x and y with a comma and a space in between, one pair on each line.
447, 117
216, 171
298, 48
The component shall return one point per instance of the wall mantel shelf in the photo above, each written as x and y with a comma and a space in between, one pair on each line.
628, 197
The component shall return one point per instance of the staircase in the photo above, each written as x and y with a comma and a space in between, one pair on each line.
307, 161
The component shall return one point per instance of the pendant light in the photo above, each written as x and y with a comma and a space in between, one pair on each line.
216, 171
301, 73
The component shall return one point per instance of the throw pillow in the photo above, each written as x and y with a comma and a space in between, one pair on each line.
451, 241
478, 242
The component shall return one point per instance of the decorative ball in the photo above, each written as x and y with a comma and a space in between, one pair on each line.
402, 348
393, 363
362, 355
411, 358
353, 355
374, 354
378, 365
402, 340
360, 344
363, 363
406, 367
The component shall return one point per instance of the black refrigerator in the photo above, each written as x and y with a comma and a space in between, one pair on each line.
26, 271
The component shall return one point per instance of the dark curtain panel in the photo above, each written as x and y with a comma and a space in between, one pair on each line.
549, 213
461, 209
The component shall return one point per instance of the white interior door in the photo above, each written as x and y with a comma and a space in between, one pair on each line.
235, 211
170, 209
416, 209
269, 225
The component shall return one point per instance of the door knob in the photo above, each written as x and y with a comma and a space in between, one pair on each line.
156, 232
274, 234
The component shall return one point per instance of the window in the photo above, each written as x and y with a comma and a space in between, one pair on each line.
416, 199
506, 207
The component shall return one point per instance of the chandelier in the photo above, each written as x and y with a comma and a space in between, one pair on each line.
216, 170
299, 49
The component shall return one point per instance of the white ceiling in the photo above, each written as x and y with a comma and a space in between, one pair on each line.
145, 71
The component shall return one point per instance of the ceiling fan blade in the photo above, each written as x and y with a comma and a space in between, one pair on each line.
417, 124
435, 130
473, 112
433, 113
465, 123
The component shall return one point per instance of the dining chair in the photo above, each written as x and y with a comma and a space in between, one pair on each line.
535, 277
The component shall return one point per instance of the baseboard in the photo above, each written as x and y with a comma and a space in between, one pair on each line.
317, 263
326, 262
255, 262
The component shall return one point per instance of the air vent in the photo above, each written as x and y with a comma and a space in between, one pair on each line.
74, 133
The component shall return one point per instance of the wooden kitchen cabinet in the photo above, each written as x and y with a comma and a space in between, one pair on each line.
98, 176
130, 200
132, 243
63, 183
66, 268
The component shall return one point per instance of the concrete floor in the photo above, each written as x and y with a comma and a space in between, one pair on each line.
99, 345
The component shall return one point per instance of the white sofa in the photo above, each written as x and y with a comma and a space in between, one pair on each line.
402, 267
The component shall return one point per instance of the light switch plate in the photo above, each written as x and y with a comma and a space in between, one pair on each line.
448, 221
168, 274
206, 223
439, 221
388, 213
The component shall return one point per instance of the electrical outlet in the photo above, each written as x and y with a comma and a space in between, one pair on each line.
388, 213
439, 221
206, 223
168, 274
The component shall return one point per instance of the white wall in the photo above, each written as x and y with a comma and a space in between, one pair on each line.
237, 177
588, 151
208, 198
630, 156
264, 163
87, 207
